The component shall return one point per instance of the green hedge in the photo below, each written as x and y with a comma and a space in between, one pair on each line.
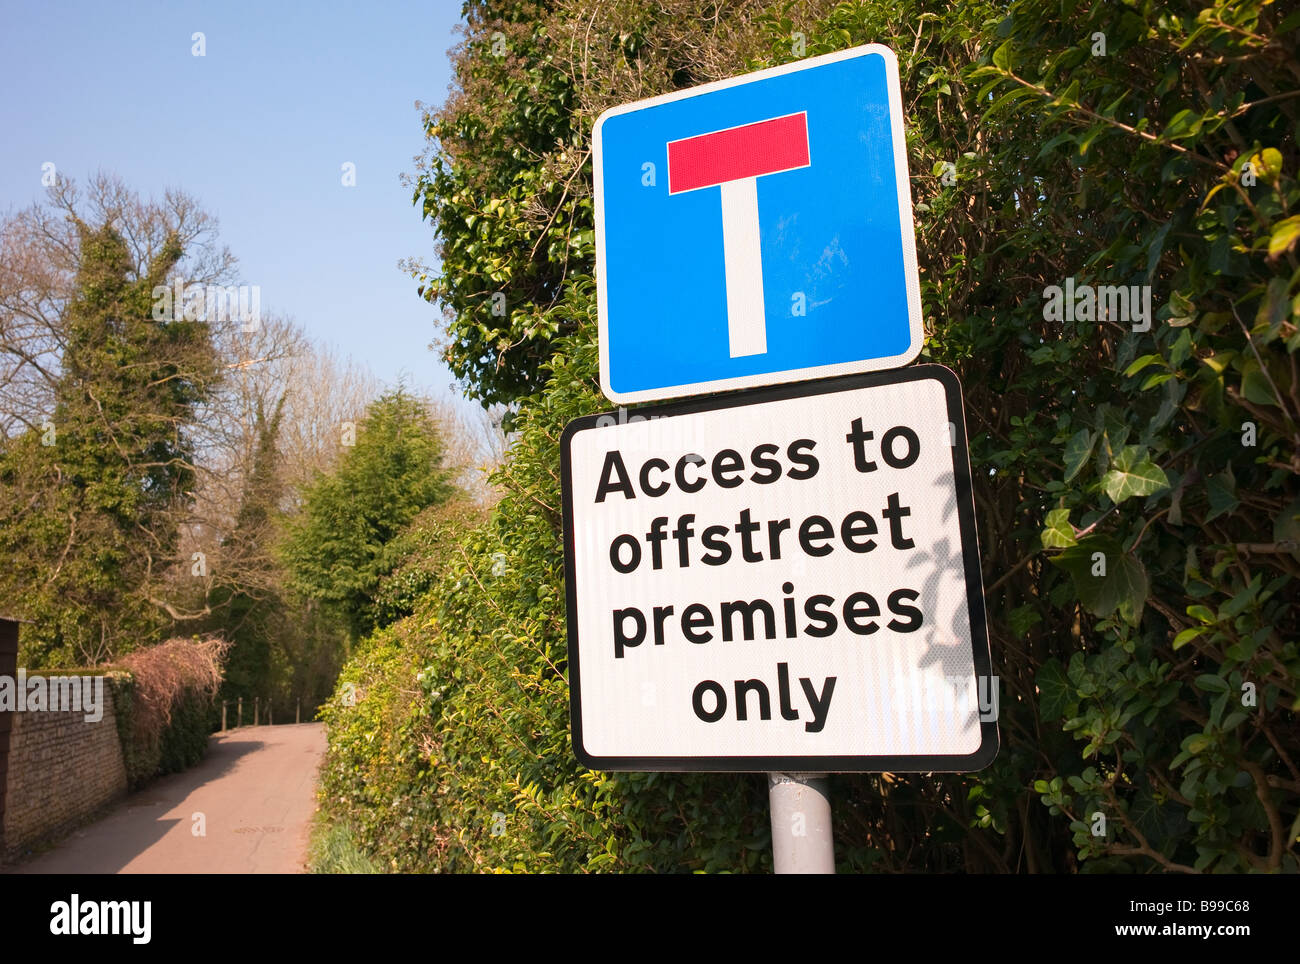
455, 755
181, 745
1046, 140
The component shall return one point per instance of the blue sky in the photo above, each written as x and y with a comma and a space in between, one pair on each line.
257, 130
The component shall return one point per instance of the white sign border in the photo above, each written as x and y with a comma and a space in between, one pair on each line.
905, 218
981, 655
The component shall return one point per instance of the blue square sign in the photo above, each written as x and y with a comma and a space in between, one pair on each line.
756, 230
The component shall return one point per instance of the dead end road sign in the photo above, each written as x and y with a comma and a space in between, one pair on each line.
756, 230
784, 580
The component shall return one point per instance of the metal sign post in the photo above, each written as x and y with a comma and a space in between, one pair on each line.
801, 823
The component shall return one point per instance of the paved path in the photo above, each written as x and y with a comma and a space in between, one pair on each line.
255, 790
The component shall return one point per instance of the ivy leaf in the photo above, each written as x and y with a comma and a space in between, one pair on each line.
1105, 576
1053, 690
1132, 473
1221, 490
1156, 822
1023, 618
1058, 533
1077, 451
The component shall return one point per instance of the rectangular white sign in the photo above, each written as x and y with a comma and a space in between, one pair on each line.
787, 579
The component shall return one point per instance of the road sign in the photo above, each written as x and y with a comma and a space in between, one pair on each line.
784, 580
756, 230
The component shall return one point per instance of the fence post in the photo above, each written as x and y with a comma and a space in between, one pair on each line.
224, 704
270, 718
297, 712
257, 706
239, 720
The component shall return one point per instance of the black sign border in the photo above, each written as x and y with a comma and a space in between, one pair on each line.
913, 763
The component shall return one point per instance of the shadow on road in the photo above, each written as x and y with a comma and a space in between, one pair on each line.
139, 821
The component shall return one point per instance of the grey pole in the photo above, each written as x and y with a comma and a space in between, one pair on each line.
801, 823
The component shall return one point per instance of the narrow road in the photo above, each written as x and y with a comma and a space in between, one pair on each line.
252, 797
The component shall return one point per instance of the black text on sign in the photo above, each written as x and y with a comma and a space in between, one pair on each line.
784, 580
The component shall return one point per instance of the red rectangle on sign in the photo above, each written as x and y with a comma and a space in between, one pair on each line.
766, 147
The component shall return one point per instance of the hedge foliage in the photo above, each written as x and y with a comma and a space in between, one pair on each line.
1136, 484
181, 745
163, 698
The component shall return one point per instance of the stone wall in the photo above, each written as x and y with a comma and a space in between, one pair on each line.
8, 666
61, 770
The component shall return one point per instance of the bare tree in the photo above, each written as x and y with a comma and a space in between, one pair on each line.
287, 402
39, 259
477, 445
284, 404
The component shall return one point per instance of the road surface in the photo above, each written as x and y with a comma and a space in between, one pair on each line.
253, 796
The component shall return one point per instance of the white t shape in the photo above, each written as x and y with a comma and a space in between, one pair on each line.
743, 257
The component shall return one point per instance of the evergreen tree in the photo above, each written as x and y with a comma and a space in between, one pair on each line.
335, 550
98, 490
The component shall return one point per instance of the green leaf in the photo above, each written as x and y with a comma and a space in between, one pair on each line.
1105, 576
1269, 163
1187, 635
1284, 235
1054, 692
1011, 97
1058, 533
1186, 123
1023, 618
1286, 527
1002, 56
1255, 388
1233, 720
1077, 451
1182, 310
1132, 473
1181, 350
1142, 363
1221, 490
1090, 136
1211, 683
